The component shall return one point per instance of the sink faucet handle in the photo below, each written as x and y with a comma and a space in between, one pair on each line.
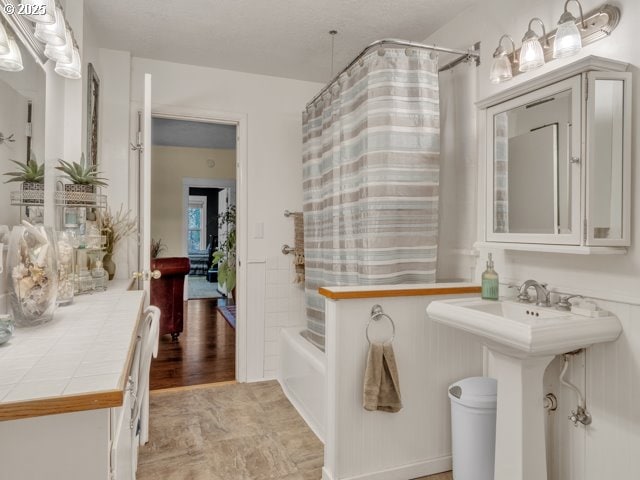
564, 303
524, 297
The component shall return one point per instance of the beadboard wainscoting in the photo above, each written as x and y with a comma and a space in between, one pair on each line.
612, 444
608, 374
417, 440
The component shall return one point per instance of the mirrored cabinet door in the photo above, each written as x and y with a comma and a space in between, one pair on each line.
533, 168
22, 139
608, 158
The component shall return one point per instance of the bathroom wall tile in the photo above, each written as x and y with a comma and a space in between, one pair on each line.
271, 277
272, 263
285, 262
271, 363
271, 349
272, 334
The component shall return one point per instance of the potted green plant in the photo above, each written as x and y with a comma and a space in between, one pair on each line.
83, 177
225, 257
31, 174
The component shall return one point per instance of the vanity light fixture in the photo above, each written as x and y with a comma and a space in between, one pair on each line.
40, 11
501, 69
4, 40
531, 52
52, 33
62, 54
73, 70
12, 61
568, 39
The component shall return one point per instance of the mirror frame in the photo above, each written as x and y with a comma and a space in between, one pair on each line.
572, 84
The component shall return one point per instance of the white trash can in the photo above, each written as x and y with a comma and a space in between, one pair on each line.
473, 427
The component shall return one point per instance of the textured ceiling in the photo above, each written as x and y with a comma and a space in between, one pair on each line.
182, 133
284, 38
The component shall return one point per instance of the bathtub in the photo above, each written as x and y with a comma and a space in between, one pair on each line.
302, 375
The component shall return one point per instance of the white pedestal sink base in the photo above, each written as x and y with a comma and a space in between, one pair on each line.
520, 435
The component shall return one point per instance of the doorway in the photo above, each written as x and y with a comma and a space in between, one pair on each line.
193, 175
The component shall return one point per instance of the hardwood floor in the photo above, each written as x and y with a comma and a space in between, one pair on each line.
205, 352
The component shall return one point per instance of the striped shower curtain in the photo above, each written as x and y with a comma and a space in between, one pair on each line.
370, 167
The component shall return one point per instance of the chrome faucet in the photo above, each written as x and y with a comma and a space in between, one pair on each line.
543, 296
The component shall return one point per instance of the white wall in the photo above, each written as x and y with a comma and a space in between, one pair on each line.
458, 174
611, 446
170, 166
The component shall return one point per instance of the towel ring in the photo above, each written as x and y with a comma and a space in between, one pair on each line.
376, 313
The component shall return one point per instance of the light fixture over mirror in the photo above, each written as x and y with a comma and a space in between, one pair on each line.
4, 40
568, 39
52, 40
531, 52
40, 11
73, 70
52, 33
12, 61
501, 69
62, 54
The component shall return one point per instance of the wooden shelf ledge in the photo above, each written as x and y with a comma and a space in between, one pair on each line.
349, 293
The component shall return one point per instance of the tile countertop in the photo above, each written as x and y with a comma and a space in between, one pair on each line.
78, 361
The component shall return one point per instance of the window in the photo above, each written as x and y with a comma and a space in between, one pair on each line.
197, 223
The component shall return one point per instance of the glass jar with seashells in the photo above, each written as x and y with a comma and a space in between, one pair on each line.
33, 274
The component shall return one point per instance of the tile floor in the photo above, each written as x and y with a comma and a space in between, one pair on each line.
231, 432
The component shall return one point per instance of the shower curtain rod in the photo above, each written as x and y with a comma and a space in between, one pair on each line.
464, 55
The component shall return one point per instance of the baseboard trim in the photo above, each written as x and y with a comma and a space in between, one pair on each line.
404, 472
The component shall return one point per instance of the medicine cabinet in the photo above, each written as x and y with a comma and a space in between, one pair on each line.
558, 161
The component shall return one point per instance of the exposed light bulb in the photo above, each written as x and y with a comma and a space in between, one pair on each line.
12, 61
73, 70
4, 41
568, 40
63, 54
53, 33
40, 11
500, 70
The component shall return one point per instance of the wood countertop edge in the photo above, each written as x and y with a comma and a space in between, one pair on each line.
63, 404
404, 292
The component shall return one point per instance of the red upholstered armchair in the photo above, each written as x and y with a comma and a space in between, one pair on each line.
167, 293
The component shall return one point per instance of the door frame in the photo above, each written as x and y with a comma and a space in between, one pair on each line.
240, 120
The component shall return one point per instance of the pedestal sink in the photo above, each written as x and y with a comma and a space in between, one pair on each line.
522, 340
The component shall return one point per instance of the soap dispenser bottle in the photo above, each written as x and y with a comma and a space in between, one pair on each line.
490, 282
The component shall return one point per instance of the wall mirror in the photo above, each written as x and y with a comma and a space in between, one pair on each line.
534, 191
22, 127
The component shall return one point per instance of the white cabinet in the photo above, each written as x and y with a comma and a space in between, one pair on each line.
558, 161
83, 432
